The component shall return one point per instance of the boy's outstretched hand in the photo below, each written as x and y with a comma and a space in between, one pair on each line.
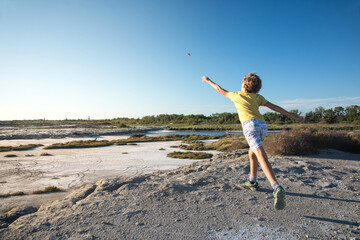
205, 79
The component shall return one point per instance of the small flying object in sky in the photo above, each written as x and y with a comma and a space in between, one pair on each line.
188, 54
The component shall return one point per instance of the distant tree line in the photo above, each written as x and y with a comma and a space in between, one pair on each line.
333, 115
320, 114
217, 118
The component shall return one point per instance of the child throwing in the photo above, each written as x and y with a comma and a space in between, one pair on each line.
247, 103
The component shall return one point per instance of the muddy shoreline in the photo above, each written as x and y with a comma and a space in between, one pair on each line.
7, 133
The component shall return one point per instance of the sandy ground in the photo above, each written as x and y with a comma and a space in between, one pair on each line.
71, 168
203, 201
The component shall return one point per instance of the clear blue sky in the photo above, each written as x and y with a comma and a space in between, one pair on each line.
106, 59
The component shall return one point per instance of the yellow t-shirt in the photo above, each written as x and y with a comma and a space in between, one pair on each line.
247, 105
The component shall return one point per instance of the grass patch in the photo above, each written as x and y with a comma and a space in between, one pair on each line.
132, 144
10, 155
193, 145
5, 148
45, 154
174, 146
164, 138
308, 141
80, 144
189, 155
26, 147
228, 143
47, 190
125, 153
29, 155
130, 140
161, 149
19, 148
12, 194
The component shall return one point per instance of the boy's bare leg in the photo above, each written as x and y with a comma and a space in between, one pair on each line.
265, 164
253, 163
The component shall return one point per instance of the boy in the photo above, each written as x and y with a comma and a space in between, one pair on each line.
247, 103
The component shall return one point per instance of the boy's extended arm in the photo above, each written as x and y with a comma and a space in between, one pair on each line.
284, 112
215, 86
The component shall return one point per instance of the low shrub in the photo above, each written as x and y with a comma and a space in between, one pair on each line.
12, 194
294, 142
19, 148
47, 190
137, 135
80, 144
308, 141
229, 143
347, 142
193, 145
189, 155
161, 149
355, 136
10, 155
26, 147
5, 148
45, 154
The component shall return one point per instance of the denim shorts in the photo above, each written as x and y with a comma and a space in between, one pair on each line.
255, 132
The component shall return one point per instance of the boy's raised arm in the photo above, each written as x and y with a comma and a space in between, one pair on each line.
284, 112
215, 86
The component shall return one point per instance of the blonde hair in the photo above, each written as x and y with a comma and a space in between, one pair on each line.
252, 83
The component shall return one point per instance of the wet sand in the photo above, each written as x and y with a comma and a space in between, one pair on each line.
71, 168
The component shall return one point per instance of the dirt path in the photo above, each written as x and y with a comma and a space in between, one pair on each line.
201, 201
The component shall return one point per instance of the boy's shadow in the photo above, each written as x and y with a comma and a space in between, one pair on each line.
310, 196
319, 197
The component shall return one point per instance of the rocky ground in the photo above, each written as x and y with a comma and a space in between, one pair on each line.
203, 201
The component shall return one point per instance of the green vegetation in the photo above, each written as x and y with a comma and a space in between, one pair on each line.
80, 144
47, 190
12, 194
164, 138
217, 121
45, 154
130, 141
161, 149
308, 141
189, 155
205, 127
124, 152
10, 155
19, 148
229, 142
193, 145
5, 148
